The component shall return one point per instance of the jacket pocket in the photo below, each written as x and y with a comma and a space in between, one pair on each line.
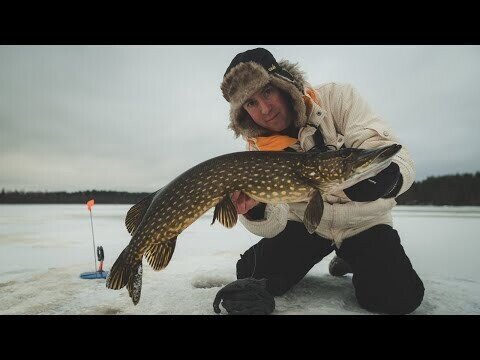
383, 131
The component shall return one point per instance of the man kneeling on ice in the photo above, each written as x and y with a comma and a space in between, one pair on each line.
274, 108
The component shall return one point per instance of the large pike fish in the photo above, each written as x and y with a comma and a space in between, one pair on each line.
266, 176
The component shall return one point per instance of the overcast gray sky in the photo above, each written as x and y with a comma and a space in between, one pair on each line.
132, 118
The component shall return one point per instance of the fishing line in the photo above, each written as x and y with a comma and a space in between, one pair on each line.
93, 236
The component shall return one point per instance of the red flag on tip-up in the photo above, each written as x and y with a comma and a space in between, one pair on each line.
90, 204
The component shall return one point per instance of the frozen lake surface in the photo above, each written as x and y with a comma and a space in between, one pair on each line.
44, 248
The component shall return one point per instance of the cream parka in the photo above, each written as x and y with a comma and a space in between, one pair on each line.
344, 118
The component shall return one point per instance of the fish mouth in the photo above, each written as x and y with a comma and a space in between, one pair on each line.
369, 162
378, 156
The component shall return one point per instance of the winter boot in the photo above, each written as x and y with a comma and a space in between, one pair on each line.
339, 267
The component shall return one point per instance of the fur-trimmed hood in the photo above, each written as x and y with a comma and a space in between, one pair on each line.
246, 78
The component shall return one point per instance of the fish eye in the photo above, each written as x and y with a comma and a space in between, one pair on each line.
346, 154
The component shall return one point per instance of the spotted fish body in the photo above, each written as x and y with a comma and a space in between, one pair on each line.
268, 177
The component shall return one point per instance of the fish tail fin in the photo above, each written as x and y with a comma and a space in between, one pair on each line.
120, 272
123, 273
134, 285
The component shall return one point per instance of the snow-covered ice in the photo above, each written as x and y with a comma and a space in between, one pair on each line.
44, 248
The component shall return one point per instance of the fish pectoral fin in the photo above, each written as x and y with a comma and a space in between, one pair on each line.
137, 212
159, 255
225, 212
313, 212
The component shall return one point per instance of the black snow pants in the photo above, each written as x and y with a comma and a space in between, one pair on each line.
383, 277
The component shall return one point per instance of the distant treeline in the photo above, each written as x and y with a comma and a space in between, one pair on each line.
456, 189
62, 197
459, 189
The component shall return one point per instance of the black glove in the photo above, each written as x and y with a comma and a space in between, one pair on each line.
245, 297
385, 184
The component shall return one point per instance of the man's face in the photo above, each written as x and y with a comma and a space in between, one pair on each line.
270, 108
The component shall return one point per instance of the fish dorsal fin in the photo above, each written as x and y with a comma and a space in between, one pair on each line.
159, 255
137, 212
225, 212
313, 212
